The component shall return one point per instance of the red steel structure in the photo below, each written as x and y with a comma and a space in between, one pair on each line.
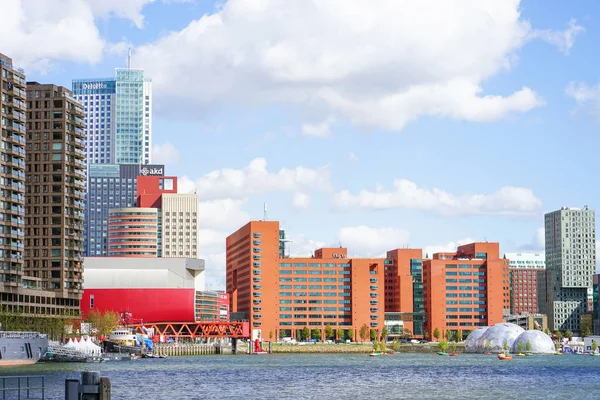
193, 330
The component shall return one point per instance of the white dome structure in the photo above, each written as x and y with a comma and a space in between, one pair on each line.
540, 342
494, 338
471, 342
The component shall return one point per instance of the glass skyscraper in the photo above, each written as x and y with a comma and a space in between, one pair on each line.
118, 117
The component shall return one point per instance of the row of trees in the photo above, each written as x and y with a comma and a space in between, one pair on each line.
59, 327
456, 335
339, 334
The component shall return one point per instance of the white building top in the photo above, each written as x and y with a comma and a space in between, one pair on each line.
527, 260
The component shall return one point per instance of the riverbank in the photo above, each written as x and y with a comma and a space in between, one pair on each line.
354, 348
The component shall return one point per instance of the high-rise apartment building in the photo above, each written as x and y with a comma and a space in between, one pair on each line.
12, 194
404, 289
282, 296
110, 186
179, 233
524, 271
118, 117
570, 266
466, 289
19, 292
55, 181
132, 232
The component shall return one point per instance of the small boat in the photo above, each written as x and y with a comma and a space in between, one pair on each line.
374, 354
594, 354
453, 354
520, 355
528, 354
487, 352
392, 352
558, 353
442, 353
504, 357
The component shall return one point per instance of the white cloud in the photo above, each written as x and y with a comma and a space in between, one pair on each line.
540, 238
316, 130
378, 64
407, 194
587, 98
212, 250
301, 201
429, 251
255, 178
353, 157
36, 33
302, 246
223, 213
165, 153
564, 40
371, 242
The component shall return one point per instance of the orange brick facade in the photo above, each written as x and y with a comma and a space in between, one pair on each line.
467, 289
284, 295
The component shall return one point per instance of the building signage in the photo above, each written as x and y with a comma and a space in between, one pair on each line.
152, 170
93, 86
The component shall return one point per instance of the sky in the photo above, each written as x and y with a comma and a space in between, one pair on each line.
372, 125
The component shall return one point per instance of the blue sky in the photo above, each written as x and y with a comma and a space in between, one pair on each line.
483, 115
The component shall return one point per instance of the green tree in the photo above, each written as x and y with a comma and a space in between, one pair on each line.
594, 346
459, 335
436, 334
520, 346
364, 332
506, 347
586, 327
453, 347
316, 334
384, 334
528, 346
305, 333
443, 345
328, 331
558, 335
382, 346
486, 345
569, 334
426, 335
395, 345
547, 332
373, 334
376, 346
351, 334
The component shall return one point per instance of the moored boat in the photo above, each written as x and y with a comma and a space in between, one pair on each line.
22, 348
504, 356
442, 353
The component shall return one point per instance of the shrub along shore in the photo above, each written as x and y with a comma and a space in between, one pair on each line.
352, 348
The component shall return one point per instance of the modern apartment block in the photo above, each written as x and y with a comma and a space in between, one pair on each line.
179, 233
281, 296
404, 290
524, 271
110, 186
13, 107
19, 293
570, 266
55, 181
466, 289
132, 232
118, 117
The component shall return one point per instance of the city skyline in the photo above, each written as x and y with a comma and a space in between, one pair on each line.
247, 111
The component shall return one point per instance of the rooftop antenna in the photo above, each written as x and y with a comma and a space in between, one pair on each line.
264, 211
129, 58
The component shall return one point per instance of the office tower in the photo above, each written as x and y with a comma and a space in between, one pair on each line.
54, 189
12, 194
285, 297
118, 117
466, 289
404, 302
524, 271
570, 266
110, 186
179, 233
132, 232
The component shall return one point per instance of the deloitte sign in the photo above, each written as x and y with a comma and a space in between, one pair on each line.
93, 86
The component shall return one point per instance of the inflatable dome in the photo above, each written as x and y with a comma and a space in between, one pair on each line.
494, 338
471, 342
539, 341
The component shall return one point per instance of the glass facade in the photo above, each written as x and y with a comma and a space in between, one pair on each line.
416, 270
118, 117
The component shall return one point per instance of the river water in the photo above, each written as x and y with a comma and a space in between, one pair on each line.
337, 376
